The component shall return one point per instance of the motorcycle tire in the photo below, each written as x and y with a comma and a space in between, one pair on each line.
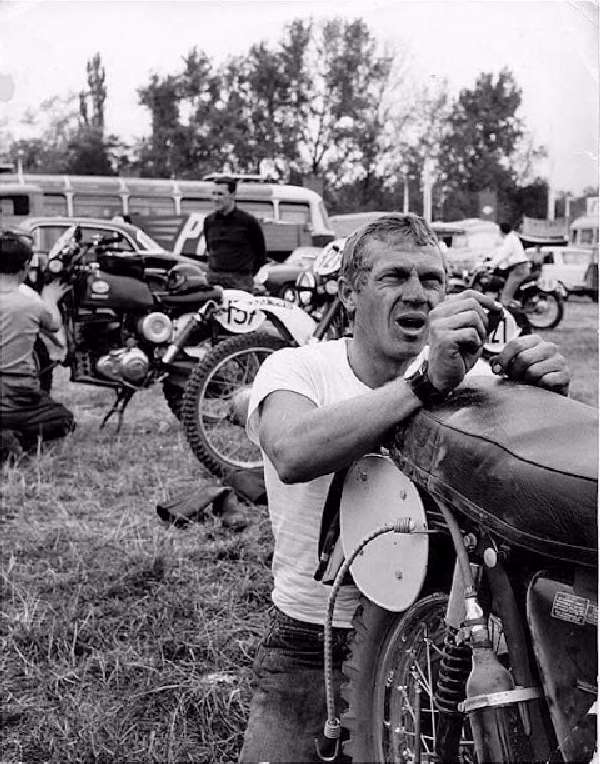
214, 433
549, 318
174, 397
379, 717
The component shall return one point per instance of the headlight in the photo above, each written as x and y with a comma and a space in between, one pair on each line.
262, 275
331, 286
55, 266
156, 327
305, 284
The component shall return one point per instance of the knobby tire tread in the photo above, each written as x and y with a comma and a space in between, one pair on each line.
371, 626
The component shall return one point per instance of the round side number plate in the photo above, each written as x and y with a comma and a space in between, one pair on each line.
391, 569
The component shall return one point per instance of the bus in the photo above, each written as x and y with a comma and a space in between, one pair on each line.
108, 197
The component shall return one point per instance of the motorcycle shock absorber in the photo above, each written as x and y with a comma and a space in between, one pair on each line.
454, 669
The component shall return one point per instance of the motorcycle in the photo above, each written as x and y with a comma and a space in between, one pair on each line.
542, 305
317, 293
473, 540
128, 326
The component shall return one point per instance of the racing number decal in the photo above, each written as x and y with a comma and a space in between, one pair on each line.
238, 316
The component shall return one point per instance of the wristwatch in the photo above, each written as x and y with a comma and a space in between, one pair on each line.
421, 386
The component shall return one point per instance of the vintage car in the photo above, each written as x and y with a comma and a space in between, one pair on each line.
570, 266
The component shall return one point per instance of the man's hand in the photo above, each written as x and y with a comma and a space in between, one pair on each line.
52, 292
458, 327
535, 361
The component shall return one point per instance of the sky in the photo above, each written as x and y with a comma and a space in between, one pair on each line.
551, 46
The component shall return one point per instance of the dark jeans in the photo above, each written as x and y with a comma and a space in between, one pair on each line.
32, 413
288, 707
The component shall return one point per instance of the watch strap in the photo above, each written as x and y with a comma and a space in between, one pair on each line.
421, 386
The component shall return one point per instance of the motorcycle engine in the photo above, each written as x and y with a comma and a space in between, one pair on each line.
126, 364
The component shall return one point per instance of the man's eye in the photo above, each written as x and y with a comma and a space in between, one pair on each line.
432, 283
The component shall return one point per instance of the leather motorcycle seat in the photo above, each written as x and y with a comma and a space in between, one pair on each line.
518, 460
191, 299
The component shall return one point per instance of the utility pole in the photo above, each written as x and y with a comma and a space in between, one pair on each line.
427, 188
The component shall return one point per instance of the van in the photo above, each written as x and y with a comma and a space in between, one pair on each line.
18, 201
140, 198
583, 232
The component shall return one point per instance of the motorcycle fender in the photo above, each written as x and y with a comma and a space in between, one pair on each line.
296, 322
391, 568
563, 624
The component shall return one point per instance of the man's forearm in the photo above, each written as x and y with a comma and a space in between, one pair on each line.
327, 439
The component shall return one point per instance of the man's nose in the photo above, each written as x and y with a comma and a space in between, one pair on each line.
413, 289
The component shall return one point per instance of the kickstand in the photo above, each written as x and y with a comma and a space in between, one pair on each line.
124, 395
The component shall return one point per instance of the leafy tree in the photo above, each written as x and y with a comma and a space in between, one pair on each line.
483, 135
54, 123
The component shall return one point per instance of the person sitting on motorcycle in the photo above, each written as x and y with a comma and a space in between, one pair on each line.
316, 409
510, 256
26, 411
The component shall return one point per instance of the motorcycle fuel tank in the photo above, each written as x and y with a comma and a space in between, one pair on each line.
563, 620
118, 292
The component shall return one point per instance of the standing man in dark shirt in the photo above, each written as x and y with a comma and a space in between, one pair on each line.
234, 240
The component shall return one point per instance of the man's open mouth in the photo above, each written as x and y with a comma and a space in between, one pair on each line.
411, 321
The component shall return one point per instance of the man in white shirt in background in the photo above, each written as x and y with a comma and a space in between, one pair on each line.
316, 409
510, 255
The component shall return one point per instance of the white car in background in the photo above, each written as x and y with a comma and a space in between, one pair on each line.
567, 265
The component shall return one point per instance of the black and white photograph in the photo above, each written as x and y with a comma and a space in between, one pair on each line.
299, 381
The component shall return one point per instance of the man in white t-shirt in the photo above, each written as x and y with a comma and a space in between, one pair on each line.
316, 409
511, 256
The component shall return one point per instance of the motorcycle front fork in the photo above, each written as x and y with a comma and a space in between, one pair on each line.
504, 707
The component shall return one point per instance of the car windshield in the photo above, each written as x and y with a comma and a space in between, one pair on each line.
146, 242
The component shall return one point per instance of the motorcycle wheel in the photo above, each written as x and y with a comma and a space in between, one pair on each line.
393, 654
213, 426
545, 310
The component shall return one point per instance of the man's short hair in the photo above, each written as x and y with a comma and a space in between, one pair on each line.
388, 228
505, 228
15, 251
231, 183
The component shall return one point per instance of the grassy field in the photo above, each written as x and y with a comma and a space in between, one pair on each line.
124, 639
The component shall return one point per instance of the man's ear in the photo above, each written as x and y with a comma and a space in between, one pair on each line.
347, 294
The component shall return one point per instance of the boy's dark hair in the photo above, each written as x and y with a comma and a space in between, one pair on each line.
231, 183
505, 228
15, 251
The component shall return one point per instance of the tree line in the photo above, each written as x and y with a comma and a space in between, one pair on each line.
326, 102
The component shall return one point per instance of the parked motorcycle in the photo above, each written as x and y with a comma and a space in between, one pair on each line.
127, 328
542, 306
473, 540
317, 292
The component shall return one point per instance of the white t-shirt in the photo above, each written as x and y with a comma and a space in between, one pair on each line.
322, 374
510, 252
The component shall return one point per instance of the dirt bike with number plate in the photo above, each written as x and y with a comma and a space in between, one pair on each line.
128, 326
472, 538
